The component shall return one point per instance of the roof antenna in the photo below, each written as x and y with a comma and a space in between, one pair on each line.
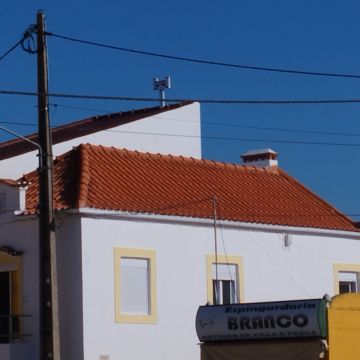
161, 85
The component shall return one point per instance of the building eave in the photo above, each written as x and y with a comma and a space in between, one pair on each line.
181, 220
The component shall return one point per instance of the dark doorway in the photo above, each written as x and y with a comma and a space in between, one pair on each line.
4, 306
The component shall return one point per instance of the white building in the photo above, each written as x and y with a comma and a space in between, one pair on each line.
137, 250
141, 130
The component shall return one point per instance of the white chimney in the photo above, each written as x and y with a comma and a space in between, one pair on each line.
12, 197
260, 158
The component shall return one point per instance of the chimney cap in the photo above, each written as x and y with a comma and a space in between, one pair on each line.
259, 152
260, 157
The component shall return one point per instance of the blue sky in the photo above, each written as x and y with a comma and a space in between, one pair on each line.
306, 35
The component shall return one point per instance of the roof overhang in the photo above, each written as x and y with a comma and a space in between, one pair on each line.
283, 229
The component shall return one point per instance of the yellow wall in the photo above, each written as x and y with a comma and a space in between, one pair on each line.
344, 327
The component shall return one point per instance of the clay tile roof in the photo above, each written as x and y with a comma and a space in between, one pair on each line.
115, 179
10, 182
81, 128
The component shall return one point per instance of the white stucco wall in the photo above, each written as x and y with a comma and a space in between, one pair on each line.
68, 238
172, 124
271, 272
86, 278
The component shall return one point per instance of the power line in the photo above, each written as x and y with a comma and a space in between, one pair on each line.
17, 123
11, 49
225, 124
27, 42
80, 108
224, 138
202, 61
199, 100
300, 131
222, 124
291, 277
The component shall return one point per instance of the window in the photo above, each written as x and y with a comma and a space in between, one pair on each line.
224, 281
135, 287
346, 278
348, 282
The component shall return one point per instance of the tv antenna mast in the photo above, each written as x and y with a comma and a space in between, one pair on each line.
161, 85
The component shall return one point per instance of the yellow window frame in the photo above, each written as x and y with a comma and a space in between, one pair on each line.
149, 255
224, 259
337, 268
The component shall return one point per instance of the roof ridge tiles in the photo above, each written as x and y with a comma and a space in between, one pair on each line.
84, 178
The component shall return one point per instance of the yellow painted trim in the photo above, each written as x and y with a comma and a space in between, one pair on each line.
343, 267
223, 259
137, 254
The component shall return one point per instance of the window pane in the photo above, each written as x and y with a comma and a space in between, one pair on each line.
347, 276
348, 282
134, 286
216, 292
347, 287
224, 271
226, 288
223, 292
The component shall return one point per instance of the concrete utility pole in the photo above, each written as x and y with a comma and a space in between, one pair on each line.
49, 319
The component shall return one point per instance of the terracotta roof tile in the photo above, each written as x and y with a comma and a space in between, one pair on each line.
81, 128
114, 179
10, 182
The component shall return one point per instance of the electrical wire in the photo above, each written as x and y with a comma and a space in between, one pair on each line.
299, 131
291, 277
234, 283
225, 124
202, 61
80, 108
232, 125
236, 139
27, 43
182, 100
3, 56
17, 123
224, 138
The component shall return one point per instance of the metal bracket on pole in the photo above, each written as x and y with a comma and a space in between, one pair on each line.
27, 140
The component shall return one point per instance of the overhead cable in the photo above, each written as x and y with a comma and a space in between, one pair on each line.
3, 56
253, 127
203, 61
224, 138
221, 124
175, 100
27, 42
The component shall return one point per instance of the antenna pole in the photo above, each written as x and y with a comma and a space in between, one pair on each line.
214, 204
161, 85
49, 346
